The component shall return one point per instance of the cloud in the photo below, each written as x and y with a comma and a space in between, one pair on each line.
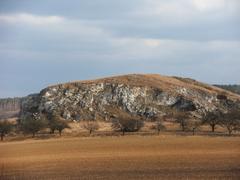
85, 39
206, 5
30, 19
182, 12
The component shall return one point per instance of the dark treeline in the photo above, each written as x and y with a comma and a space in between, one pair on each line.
10, 104
233, 88
10, 107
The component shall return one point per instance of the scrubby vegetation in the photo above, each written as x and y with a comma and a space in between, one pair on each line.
33, 124
122, 122
5, 128
56, 122
231, 121
126, 123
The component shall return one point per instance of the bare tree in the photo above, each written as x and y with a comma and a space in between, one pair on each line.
212, 119
231, 120
126, 122
61, 125
56, 122
158, 123
193, 125
91, 126
5, 128
182, 118
34, 123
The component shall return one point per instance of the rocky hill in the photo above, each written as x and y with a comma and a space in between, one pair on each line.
145, 95
9, 107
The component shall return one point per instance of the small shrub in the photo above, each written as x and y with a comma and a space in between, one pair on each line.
5, 128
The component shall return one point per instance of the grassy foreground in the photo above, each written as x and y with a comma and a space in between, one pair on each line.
129, 157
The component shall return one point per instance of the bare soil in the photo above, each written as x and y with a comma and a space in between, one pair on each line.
128, 157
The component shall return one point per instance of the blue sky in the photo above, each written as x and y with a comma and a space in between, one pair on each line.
53, 41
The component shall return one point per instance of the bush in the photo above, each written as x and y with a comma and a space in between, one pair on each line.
231, 120
5, 128
56, 122
127, 124
33, 124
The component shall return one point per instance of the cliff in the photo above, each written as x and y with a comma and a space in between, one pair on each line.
145, 95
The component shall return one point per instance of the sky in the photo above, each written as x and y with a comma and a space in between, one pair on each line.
53, 41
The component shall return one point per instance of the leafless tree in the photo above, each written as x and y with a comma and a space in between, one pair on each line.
182, 118
158, 123
193, 125
124, 121
91, 126
212, 119
56, 122
127, 124
231, 120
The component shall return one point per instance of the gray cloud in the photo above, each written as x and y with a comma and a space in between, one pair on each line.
46, 42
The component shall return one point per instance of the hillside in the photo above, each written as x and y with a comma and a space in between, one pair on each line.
144, 95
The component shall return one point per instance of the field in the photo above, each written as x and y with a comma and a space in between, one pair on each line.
128, 157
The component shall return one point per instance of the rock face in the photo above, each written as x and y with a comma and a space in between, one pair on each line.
143, 95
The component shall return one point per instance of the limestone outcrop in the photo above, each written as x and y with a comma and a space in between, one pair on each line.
137, 94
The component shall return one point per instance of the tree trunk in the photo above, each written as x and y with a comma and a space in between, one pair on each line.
229, 132
193, 132
213, 127
123, 132
2, 136
52, 131
183, 126
33, 135
90, 131
60, 133
158, 131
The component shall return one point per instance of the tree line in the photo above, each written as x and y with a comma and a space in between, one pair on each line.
124, 122
234, 88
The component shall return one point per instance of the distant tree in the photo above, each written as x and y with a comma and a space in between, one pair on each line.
158, 124
34, 123
124, 121
193, 125
5, 128
56, 122
61, 125
231, 120
212, 119
91, 126
127, 124
182, 118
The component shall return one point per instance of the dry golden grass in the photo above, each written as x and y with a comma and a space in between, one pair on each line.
129, 157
